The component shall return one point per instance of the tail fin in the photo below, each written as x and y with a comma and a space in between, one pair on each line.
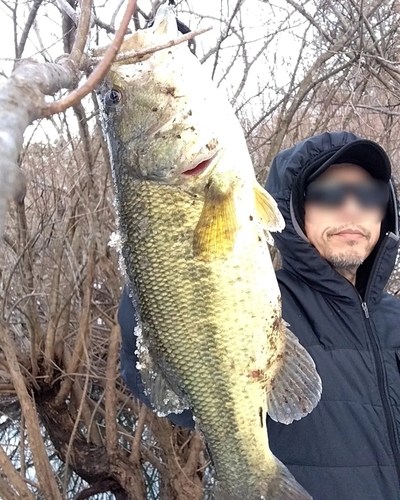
281, 486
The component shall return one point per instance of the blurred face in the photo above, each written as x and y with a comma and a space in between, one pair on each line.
344, 233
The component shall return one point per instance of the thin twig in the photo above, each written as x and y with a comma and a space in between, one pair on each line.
183, 469
15, 479
108, 28
43, 468
67, 9
81, 33
110, 397
29, 22
22, 446
196, 447
225, 35
75, 428
53, 308
137, 55
36, 332
90, 427
115, 13
84, 328
135, 453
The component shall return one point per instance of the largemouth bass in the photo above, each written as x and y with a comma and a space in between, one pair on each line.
194, 225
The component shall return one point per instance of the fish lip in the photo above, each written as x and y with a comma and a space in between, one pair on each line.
200, 167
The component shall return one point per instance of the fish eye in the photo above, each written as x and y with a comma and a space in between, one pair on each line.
113, 97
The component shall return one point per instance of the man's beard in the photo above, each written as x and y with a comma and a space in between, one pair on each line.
348, 260
345, 261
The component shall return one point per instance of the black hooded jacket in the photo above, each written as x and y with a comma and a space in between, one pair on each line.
348, 448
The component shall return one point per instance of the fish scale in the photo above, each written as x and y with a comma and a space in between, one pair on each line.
194, 226
190, 302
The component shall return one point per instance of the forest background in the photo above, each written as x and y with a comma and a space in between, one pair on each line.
69, 428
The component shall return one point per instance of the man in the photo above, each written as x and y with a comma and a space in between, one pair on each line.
338, 250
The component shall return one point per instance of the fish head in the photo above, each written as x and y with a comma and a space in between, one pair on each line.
164, 118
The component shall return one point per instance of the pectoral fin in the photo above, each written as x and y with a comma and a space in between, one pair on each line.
296, 388
215, 233
268, 212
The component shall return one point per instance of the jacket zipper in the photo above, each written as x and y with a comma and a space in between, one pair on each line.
389, 417
376, 351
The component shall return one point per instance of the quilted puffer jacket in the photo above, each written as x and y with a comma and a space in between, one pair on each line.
348, 448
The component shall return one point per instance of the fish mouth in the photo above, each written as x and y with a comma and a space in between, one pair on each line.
200, 167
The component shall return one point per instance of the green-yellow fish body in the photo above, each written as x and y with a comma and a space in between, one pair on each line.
194, 225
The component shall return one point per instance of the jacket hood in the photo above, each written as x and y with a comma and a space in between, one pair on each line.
286, 180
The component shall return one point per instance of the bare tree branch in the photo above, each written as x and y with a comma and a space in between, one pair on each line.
111, 400
136, 55
115, 13
43, 470
98, 73
66, 7
27, 28
13, 476
84, 327
7, 493
20, 99
81, 33
311, 20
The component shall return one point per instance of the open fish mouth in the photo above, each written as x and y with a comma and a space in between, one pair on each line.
200, 167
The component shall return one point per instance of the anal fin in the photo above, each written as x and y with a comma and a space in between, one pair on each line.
296, 387
162, 397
